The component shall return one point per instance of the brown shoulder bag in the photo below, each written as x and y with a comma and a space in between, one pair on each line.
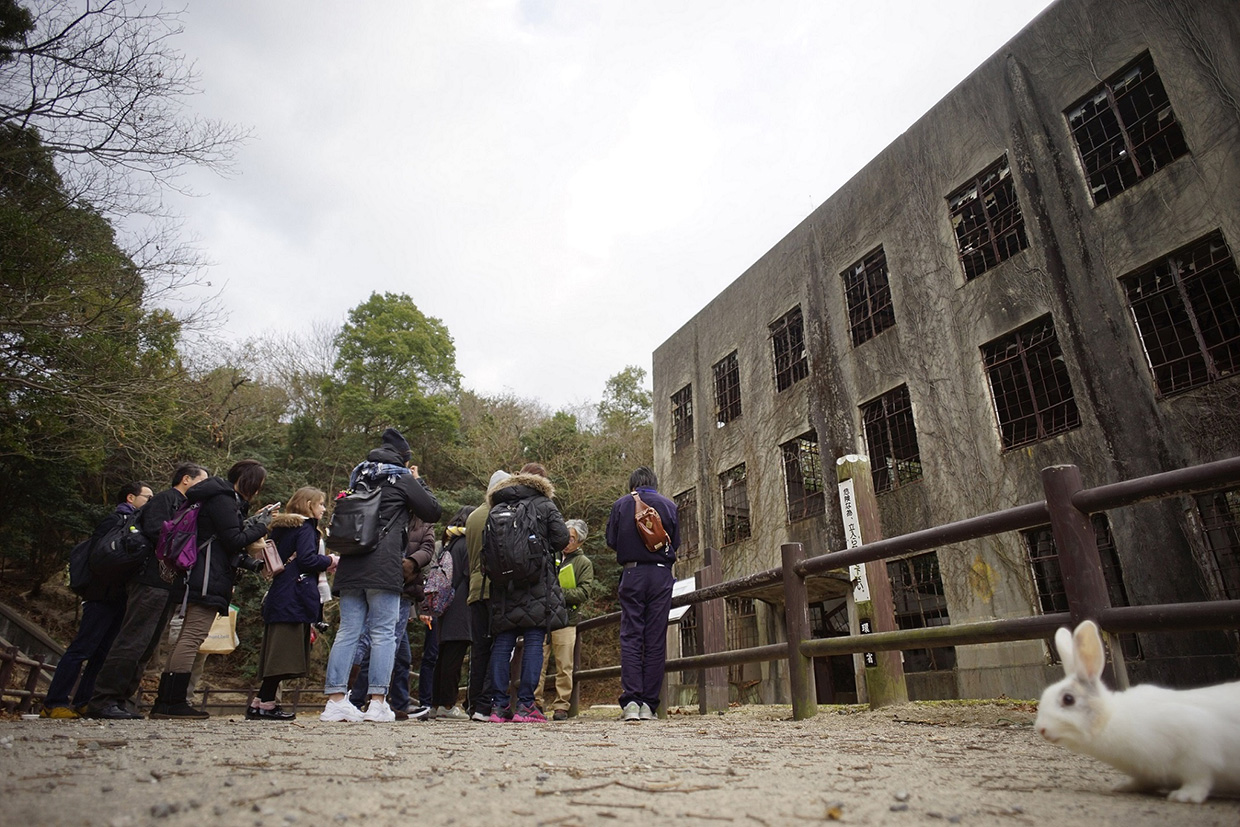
649, 525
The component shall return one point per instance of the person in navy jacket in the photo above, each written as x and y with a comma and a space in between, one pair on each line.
292, 602
645, 594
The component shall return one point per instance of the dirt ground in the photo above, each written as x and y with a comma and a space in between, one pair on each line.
978, 764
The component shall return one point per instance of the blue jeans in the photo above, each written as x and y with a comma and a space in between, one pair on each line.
398, 690
101, 620
374, 612
531, 666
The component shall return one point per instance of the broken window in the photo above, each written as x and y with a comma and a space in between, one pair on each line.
1125, 130
1029, 384
727, 390
682, 418
868, 296
735, 497
917, 592
1220, 525
1048, 577
1187, 310
686, 515
741, 620
803, 477
987, 220
891, 439
788, 345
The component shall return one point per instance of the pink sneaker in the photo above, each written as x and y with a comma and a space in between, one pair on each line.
529, 715
498, 716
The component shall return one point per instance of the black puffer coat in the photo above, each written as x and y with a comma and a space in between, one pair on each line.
381, 569
222, 519
541, 603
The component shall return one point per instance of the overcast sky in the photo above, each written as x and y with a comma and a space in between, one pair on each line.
564, 184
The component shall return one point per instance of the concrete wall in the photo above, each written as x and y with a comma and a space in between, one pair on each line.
1013, 104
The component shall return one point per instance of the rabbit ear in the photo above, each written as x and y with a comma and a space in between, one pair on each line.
1090, 655
1066, 649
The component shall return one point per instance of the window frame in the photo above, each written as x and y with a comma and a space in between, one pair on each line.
988, 243
890, 429
682, 418
1038, 342
1182, 304
799, 453
867, 296
727, 376
794, 352
1116, 100
737, 527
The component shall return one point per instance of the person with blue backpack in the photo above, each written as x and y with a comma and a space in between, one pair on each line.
370, 579
103, 608
221, 534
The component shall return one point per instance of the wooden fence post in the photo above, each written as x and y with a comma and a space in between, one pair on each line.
713, 681
796, 620
884, 671
1076, 544
32, 684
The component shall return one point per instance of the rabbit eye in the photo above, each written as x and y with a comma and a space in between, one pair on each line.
1068, 699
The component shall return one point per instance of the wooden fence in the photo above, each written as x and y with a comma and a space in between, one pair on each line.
1067, 507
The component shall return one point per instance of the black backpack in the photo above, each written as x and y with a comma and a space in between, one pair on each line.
80, 576
115, 556
354, 528
513, 550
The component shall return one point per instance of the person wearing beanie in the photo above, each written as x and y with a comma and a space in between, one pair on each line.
370, 585
478, 695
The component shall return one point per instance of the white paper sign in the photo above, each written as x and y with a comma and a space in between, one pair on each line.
852, 537
678, 588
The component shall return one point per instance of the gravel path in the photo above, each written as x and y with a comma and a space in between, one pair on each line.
978, 764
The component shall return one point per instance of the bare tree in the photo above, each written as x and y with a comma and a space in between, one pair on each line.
104, 87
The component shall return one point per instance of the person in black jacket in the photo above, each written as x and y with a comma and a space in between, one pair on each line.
454, 631
370, 585
526, 609
148, 607
102, 611
223, 534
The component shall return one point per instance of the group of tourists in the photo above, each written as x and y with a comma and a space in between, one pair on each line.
517, 573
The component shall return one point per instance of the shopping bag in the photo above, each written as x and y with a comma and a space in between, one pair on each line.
222, 639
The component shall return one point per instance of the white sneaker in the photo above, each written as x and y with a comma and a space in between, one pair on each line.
379, 712
631, 712
340, 710
645, 713
478, 716
453, 714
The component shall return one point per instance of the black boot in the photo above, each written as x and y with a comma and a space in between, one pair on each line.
171, 703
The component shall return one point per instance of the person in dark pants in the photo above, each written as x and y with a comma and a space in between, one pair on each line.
102, 612
148, 607
481, 641
645, 594
453, 625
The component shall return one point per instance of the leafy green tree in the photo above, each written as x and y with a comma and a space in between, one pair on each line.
626, 404
84, 366
396, 367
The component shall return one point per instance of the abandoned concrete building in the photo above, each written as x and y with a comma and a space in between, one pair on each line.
1042, 270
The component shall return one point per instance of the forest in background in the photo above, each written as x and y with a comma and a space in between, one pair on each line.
104, 381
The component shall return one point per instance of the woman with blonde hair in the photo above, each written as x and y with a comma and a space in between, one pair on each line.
292, 603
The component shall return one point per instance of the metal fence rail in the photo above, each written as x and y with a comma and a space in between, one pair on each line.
1067, 507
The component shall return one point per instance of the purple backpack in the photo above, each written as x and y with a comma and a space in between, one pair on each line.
437, 593
177, 548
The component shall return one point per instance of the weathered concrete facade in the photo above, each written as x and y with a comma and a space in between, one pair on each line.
1073, 268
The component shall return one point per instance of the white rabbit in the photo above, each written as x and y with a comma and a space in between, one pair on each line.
1183, 740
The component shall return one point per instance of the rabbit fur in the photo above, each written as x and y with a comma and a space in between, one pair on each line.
1183, 740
